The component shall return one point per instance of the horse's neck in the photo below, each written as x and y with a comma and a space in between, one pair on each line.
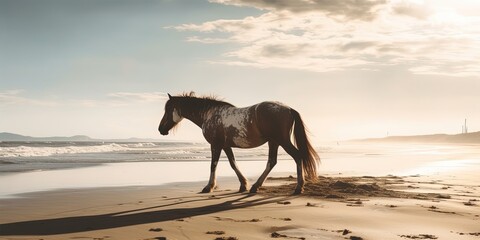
199, 114
195, 113
195, 117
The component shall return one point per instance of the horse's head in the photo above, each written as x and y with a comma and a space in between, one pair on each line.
171, 117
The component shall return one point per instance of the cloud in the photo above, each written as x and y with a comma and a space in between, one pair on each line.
465, 69
14, 97
138, 96
308, 35
419, 10
9, 97
208, 40
224, 25
345, 9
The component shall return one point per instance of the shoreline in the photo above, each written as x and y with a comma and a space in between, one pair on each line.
127, 174
74, 165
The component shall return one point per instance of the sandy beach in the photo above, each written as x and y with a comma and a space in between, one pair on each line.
336, 207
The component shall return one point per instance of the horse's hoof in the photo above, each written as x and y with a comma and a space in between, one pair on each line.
298, 191
242, 189
206, 190
254, 188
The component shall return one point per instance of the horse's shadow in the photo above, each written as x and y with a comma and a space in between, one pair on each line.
138, 216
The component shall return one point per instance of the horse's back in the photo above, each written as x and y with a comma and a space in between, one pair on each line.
274, 120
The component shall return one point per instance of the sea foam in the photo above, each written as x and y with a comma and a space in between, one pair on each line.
27, 151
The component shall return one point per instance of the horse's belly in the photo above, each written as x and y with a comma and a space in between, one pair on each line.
246, 142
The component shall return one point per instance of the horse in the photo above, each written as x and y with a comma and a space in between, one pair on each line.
225, 126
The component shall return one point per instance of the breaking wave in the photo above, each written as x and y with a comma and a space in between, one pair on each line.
29, 151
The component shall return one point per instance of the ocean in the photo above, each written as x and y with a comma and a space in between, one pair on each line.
38, 156
42, 166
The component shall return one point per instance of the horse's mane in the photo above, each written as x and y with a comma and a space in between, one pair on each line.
209, 99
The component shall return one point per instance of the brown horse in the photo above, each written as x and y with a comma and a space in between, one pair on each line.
224, 126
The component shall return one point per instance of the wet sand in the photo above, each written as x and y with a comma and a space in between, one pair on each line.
336, 207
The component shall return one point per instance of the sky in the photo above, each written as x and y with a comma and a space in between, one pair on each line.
352, 68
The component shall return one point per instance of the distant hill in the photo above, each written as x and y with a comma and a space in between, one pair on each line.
473, 137
12, 137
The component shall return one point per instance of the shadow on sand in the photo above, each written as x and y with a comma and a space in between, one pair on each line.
138, 216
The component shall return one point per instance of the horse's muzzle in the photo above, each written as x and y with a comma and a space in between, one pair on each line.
164, 133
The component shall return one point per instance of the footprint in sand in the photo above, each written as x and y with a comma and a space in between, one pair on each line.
235, 220
420, 236
287, 219
155, 230
476, 234
226, 238
216, 232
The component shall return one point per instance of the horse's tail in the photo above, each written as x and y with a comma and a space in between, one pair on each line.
308, 155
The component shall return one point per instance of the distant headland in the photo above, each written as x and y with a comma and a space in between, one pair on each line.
473, 137
12, 137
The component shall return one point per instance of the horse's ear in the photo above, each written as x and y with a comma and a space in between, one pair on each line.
169, 96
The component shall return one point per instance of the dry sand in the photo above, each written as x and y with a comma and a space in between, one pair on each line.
335, 207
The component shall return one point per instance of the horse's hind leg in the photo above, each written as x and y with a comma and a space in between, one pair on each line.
293, 151
231, 158
216, 151
272, 161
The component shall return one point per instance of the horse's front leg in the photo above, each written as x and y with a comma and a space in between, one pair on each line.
213, 167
